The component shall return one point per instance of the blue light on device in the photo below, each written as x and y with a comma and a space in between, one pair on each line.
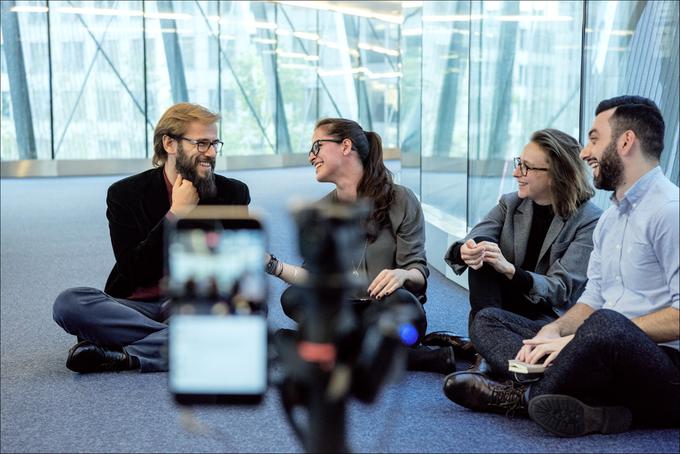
408, 334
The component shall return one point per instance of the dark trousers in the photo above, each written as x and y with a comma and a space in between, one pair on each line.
489, 288
610, 361
294, 299
137, 327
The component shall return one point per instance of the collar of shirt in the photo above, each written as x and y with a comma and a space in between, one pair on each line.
636, 192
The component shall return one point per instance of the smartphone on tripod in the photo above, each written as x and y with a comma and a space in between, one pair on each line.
217, 342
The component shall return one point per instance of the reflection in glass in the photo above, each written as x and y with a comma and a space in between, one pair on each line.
98, 99
446, 40
524, 76
410, 97
24, 82
632, 48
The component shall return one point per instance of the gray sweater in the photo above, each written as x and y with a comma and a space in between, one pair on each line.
402, 245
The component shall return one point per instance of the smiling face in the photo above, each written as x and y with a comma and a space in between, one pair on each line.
601, 154
327, 162
535, 185
193, 165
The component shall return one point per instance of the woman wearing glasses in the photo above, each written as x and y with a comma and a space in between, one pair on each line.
392, 259
529, 255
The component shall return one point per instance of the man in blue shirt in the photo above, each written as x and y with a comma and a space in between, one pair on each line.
613, 358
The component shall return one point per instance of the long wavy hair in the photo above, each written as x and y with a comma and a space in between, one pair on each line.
570, 185
376, 184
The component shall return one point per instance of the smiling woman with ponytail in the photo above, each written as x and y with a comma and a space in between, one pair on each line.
393, 258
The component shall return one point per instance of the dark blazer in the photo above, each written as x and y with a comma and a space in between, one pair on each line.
560, 275
136, 208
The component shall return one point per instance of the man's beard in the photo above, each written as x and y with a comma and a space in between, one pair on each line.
188, 168
610, 171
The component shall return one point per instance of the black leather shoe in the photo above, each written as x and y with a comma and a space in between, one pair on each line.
566, 416
462, 347
480, 365
476, 391
86, 357
431, 359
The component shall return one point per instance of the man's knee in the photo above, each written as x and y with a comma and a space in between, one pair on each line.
603, 331
605, 323
68, 306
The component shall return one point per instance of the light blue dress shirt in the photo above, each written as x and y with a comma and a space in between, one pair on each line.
634, 266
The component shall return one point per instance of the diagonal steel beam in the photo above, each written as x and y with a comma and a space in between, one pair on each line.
236, 78
101, 51
173, 54
18, 84
304, 49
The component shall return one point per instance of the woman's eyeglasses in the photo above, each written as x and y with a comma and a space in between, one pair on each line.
316, 146
524, 168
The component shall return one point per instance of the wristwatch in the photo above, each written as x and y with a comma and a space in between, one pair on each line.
270, 267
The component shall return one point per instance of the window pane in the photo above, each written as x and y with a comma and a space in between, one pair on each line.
178, 45
445, 113
98, 80
410, 97
632, 49
338, 62
524, 76
24, 82
248, 76
297, 63
378, 79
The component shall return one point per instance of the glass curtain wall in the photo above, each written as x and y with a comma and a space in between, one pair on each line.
97, 75
90, 79
457, 86
410, 112
25, 124
525, 66
632, 48
493, 72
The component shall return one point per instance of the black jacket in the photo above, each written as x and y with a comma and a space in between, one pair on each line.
136, 208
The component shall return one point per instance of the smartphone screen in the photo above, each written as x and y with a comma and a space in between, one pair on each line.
217, 347
220, 359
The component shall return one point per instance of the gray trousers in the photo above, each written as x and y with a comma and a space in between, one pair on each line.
137, 327
610, 361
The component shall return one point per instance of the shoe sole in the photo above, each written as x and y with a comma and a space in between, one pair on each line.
566, 416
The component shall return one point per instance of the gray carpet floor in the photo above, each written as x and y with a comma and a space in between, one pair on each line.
54, 236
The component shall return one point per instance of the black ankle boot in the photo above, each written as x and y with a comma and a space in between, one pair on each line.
431, 359
462, 346
476, 391
86, 357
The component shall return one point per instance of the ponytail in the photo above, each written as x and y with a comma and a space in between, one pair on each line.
376, 185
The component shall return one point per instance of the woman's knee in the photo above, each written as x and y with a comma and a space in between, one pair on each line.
488, 315
292, 302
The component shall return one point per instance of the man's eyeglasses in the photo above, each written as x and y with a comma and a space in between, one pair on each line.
524, 168
316, 146
203, 145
